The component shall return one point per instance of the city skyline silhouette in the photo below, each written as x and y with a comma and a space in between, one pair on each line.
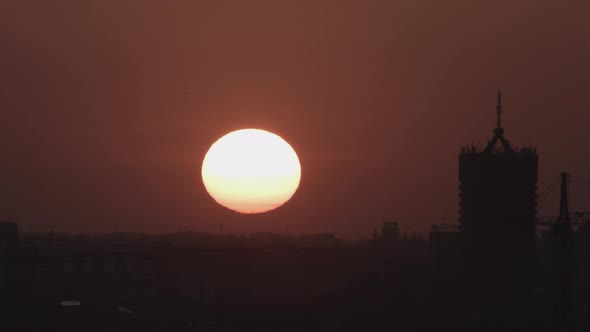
433, 171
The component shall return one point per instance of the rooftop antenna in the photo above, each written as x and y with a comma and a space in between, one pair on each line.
499, 130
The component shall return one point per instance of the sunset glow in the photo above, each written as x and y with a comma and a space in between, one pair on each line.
251, 171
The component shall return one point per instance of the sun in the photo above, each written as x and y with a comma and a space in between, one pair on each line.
251, 171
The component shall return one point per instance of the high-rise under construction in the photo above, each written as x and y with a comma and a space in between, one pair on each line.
497, 198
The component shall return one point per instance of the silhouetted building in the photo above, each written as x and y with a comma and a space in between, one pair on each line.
390, 231
497, 195
8, 233
319, 239
445, 248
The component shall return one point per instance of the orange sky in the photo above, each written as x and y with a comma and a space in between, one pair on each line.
108, 107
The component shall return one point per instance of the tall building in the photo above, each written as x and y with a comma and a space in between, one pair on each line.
497, 193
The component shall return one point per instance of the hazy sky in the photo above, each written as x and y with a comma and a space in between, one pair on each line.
108, 107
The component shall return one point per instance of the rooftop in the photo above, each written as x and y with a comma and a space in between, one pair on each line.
498, 144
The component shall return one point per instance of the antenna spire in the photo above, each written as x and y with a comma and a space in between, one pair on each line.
499, 131
499, 110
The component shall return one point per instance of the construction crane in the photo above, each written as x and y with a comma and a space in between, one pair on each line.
562, 227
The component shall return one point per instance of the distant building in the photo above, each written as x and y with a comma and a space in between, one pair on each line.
497, 193
445, 250
8, 234
390, 231
319, 239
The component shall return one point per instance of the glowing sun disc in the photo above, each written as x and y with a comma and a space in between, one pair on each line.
251, 171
